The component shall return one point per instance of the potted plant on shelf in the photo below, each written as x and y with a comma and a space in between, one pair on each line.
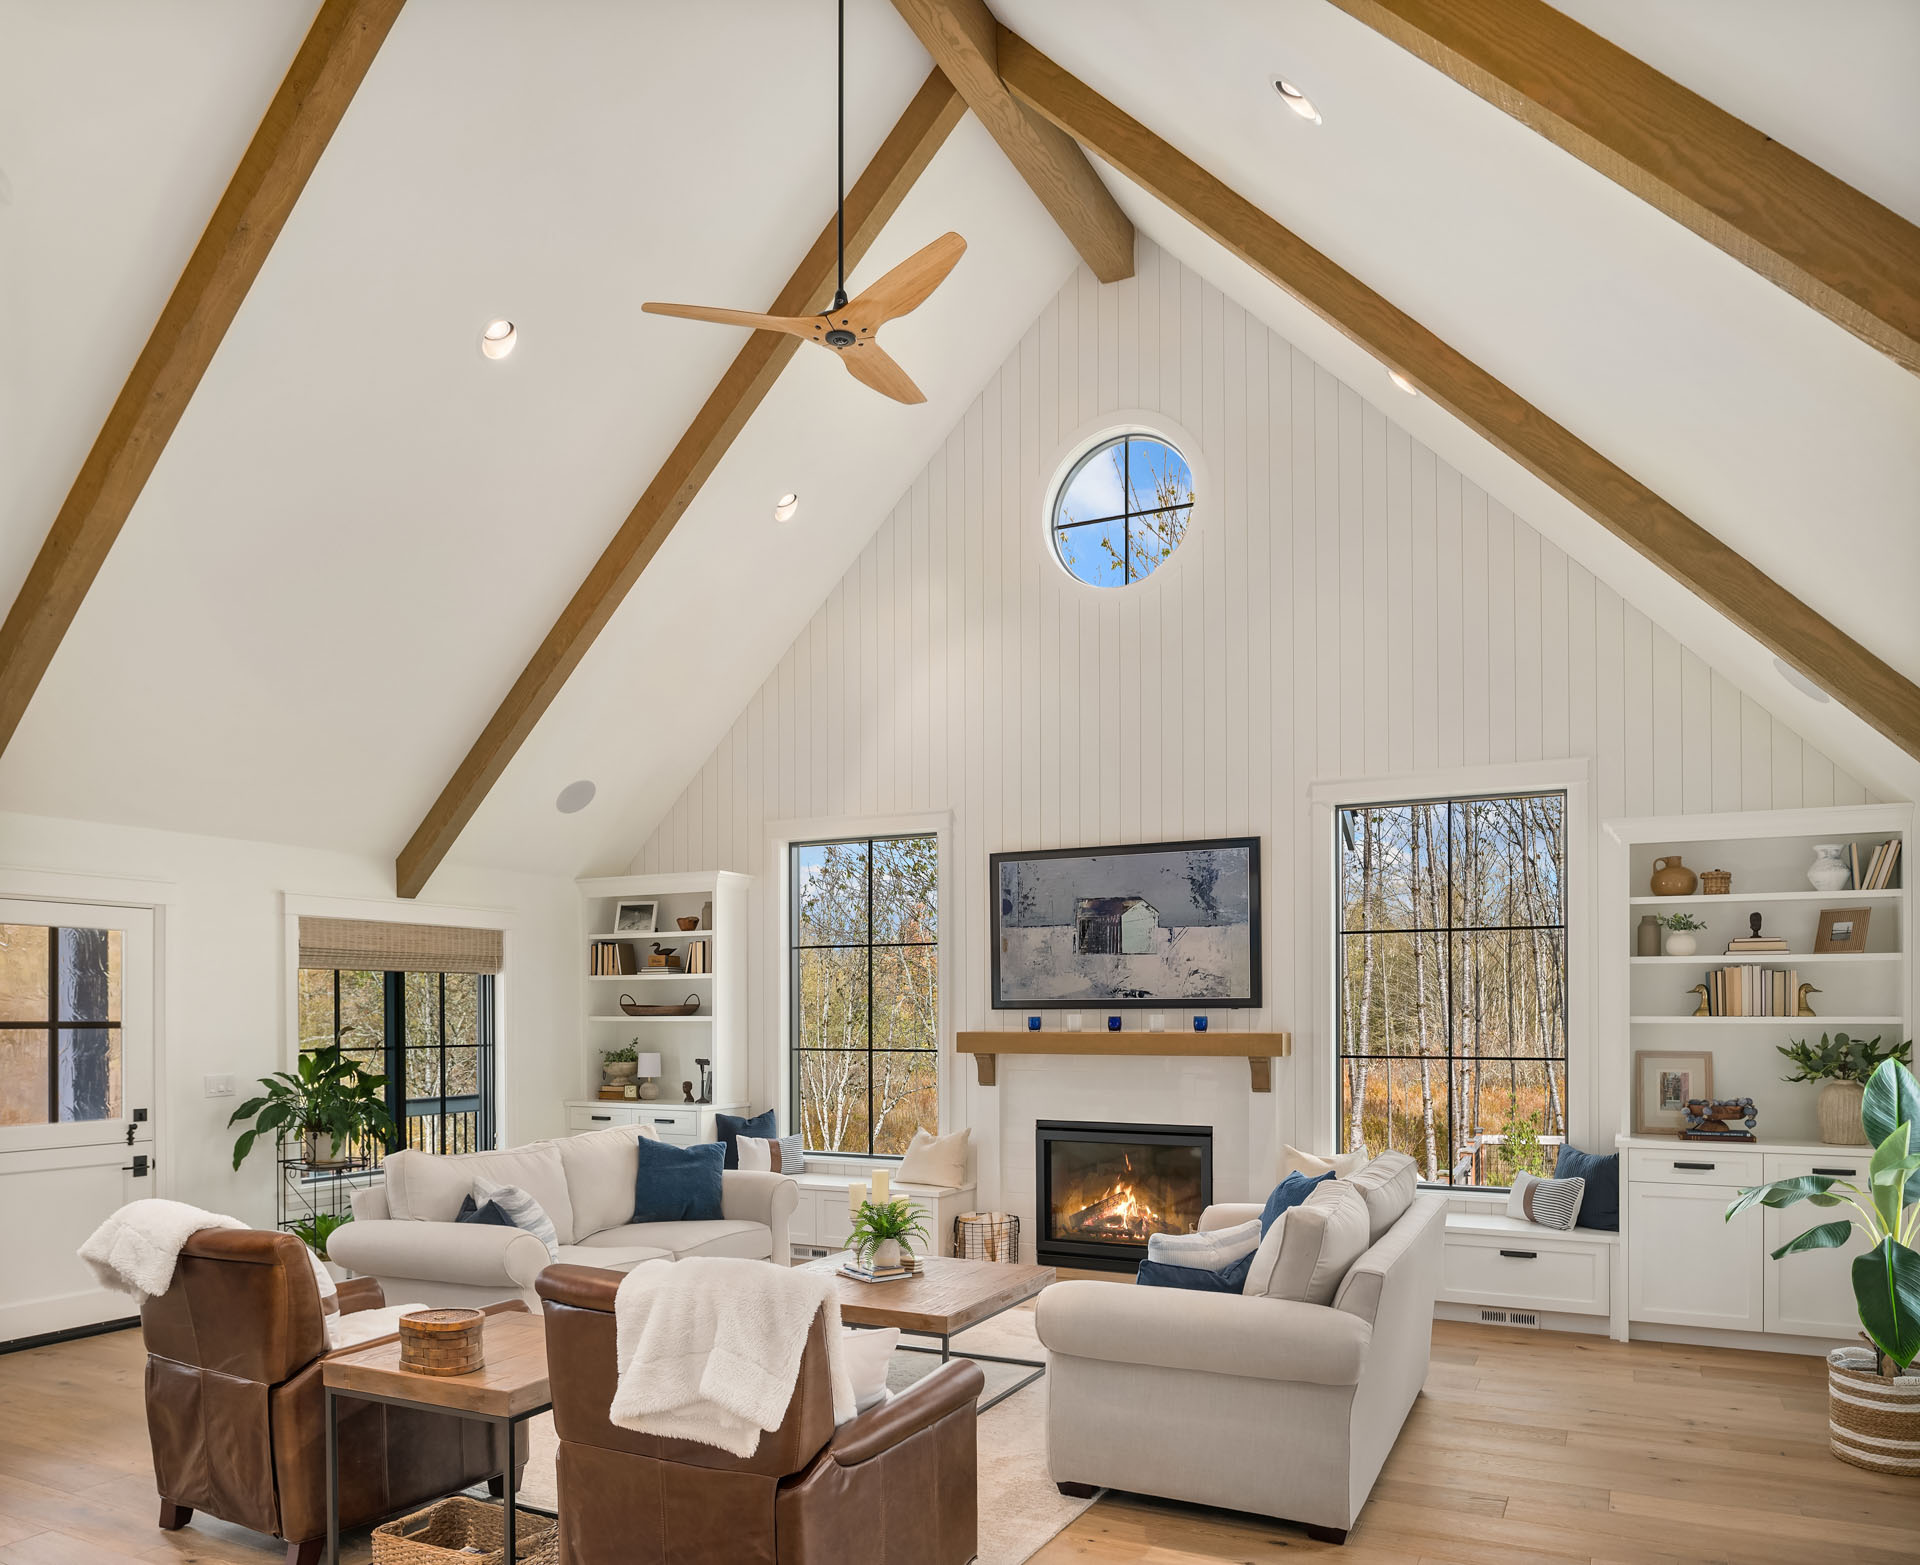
620, 1067
315, 1231
331, 1101
1842, 1065
1680, 928
880, 1230
1873, 1396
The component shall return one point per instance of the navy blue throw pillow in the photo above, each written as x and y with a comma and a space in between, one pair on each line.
490, 1214
732, 1127
1291, 1191
1600, 1206
1229, 1279
677, 1184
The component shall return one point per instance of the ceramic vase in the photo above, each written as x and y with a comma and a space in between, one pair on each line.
619, 1073
1828, 871
325, 1151
649, 1089
1680, 942
886, 1254
1840, 1121
1671, 878
1647, 937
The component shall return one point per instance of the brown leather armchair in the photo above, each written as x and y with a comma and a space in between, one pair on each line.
896, 1483
236, 1409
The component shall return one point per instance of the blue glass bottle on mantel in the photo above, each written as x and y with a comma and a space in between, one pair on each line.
1199, 1024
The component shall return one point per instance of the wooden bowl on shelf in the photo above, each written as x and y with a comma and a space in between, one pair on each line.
687, 925
687, 1007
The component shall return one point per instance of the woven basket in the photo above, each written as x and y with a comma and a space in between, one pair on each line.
1873, 1422
441, 1533
1716, 882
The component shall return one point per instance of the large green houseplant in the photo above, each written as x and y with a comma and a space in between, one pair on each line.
331, 1100
1873, 1397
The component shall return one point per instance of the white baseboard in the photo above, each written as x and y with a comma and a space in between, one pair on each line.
1750, 1341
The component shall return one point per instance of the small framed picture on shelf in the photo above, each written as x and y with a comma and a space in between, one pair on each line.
1842, 929
635, 918
1662, 1084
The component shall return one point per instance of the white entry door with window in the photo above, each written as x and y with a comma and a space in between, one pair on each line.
77, 1102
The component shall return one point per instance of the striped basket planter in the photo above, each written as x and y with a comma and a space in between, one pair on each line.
1874, 1422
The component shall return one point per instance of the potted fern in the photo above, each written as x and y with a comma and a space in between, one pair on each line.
1873, 1393
879, 1232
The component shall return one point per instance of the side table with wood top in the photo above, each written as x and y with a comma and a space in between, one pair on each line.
509, 1388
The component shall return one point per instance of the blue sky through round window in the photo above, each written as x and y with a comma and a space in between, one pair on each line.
1123, 509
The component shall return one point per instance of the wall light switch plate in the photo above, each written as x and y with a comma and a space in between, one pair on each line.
217, 1086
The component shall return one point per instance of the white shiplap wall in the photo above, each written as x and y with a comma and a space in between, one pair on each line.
1344, 605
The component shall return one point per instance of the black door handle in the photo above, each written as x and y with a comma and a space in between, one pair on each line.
138, 1167
1703, 1167
1837, 1172
601, 1118
1521, 1255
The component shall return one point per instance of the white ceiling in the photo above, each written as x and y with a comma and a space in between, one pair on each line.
362, 528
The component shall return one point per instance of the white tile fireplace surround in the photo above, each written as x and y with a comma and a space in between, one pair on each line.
1149, 1090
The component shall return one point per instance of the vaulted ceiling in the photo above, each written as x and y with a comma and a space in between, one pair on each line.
362, 528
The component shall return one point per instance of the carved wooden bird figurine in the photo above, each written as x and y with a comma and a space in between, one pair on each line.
1701, 990
1801, 1007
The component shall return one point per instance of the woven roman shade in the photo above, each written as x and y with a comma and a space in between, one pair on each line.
369, 945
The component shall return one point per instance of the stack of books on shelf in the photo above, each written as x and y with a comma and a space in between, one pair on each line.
611, 959
699, 957
1881, 861
1752, 991
863, 1272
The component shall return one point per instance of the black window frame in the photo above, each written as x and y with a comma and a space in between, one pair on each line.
1127, 514
1447, 932
55, 1023
393, 1052
795, 1049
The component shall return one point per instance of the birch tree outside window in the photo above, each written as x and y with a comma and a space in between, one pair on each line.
865, 1002
1452, 983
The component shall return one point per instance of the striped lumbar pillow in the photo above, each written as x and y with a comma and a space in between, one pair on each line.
1552, 1203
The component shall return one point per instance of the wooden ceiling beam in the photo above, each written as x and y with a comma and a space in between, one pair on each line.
961, 37
331, 63
874, 198
1787, 218
1868, 687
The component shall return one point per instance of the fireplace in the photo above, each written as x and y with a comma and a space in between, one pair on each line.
1103, 1188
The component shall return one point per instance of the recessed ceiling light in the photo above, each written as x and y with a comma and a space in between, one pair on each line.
785, 506
1296, 100
497, 341
1403, 383
575, 797
1799, 681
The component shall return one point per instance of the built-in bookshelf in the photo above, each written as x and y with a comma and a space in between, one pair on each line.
1648, 1002
716, 952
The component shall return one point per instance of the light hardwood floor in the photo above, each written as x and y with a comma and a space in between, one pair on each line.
1527, 1447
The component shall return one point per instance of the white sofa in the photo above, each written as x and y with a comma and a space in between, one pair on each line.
404, 1233
1247, 1402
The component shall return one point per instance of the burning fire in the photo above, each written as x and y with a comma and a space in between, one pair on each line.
1118, 1212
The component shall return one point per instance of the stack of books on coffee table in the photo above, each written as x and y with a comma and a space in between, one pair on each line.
863, 1272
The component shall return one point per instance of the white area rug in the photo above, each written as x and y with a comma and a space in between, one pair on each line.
1019, 1507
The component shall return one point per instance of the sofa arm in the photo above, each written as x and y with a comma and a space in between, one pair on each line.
359, 1293
753, 1197
1229, 1214
922, 1405
370, 1204
480, 1255
1216, 1333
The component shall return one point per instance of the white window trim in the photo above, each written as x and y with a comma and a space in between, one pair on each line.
1097, 431
782, 836
1575, 779
380, 910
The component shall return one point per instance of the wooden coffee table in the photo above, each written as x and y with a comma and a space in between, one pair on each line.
943, 1299
509, 1388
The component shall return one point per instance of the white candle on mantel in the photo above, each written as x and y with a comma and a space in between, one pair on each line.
879, 1187
856, 1193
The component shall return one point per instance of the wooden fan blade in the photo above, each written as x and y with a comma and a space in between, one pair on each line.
907, 286
795, 325
870, 364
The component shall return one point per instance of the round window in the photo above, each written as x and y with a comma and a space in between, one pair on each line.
1122, 510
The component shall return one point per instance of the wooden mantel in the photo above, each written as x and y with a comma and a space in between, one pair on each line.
1259, 1049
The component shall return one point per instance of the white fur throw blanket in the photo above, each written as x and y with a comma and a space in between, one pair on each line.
134, 1251
708, 1349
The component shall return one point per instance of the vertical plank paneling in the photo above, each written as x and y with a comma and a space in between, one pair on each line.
1346, 604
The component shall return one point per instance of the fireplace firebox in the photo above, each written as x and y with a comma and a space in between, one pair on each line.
1104, 1188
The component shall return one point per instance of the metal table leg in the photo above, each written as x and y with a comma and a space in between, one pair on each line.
504, 1427
333, 1481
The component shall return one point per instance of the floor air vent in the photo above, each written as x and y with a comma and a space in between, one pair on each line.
1509, 1318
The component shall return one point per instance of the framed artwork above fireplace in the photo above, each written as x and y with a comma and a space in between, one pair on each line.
1144, 925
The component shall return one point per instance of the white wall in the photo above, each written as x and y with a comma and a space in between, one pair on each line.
1344, 606
224, 965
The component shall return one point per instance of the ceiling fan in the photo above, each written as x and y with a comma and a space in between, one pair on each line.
850, 326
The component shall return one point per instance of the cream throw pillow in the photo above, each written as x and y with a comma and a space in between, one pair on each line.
1388, 1185
1309, 1248
1343, 1164
866, 1355
935, 1160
